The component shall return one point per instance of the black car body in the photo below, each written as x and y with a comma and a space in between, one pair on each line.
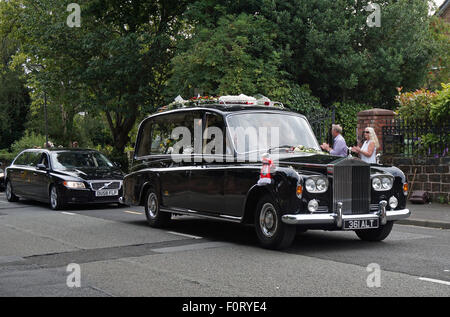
269, 191
2, 179
63, 176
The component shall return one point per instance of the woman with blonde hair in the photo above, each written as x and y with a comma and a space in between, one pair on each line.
368, 151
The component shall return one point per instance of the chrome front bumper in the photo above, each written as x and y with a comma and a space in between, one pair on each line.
338, 218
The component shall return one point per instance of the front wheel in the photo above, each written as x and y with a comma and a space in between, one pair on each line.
271, 231
378, 234
10, 194
56, 199
155, 217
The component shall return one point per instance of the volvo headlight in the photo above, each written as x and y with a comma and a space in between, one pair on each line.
74, 185
382, 183
316, 184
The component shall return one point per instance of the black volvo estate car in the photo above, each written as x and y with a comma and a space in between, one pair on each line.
63, 176
280, 187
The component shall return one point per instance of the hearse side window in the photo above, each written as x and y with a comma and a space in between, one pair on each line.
162, 128
143, 148
213, 121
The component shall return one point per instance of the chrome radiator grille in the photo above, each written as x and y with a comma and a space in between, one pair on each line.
351, 186
98, 185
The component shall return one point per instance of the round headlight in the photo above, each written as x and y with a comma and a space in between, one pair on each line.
376, 183
386, 182
313, 205
310, 185
321, 185
393, 202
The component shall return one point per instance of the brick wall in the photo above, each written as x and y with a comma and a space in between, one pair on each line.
432, 174
375, 118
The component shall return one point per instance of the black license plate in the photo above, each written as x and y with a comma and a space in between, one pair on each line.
361, 224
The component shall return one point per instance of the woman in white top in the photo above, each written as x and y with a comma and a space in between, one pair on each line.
368, 151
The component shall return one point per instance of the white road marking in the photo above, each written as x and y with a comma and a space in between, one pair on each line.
4, 202
133, 212
68, 213
434, 281
184, 235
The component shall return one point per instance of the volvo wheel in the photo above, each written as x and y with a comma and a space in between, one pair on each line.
271, 231
378, 234
155, 217
56, 200
10, 194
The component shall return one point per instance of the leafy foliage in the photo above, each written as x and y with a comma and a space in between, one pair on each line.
415, 106
28, 141
301, 100
440, 65
346, 116
440, 108
14, 96
114, 64
328, 45
235, 57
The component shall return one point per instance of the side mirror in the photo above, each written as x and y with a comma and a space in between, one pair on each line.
41, 167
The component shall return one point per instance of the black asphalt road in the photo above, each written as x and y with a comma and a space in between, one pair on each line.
120, 255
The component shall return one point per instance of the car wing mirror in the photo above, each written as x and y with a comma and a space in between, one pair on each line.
42, 167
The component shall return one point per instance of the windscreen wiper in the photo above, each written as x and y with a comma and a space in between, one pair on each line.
280, 147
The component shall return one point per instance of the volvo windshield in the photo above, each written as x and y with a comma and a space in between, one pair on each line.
79, 159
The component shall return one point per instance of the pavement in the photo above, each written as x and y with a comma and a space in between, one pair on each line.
119, 255
432, 215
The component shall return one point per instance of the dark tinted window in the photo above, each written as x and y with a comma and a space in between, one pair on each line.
79, 159
156, 135
214, 136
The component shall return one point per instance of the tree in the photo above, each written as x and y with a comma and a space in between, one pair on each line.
115, 63
236, 56
439, 68
329, 46
14, 96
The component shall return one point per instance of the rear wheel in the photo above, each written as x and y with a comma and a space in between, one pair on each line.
10, 194
56, 199
378, 234
271, 231
155, 217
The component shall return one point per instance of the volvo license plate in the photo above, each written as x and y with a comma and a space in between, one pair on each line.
361, 224
107, 192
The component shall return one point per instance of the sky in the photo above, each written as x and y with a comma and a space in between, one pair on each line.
438, 2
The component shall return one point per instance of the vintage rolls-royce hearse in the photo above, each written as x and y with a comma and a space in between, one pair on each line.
257, 163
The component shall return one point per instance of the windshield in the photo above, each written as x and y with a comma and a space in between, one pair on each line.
73, 160
269, 131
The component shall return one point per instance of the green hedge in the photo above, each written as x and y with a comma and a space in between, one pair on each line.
28, 141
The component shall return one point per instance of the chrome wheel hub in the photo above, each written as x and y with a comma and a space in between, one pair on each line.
268, 220
152, 205
8, 191
54, 198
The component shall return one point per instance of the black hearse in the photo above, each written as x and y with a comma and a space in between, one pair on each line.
63, 176
244, 177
